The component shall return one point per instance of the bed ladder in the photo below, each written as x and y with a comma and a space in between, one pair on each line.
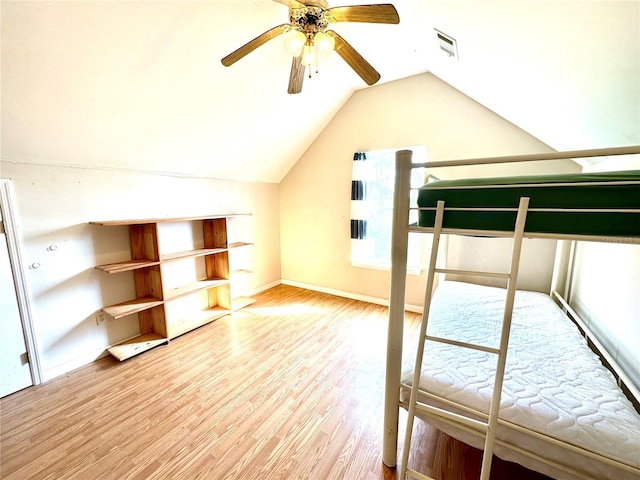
488, 427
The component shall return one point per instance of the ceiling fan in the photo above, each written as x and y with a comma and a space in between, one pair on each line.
307, 37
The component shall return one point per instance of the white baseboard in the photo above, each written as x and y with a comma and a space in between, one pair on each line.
262, 288
81, 361
352, 296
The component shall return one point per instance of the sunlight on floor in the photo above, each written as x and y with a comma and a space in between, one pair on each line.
239, 335
294, 309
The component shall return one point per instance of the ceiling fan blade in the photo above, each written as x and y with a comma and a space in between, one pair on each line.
380, 13
354, 59
247, 48
297, 75
290, 3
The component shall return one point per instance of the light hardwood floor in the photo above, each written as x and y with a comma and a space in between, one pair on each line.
288, 388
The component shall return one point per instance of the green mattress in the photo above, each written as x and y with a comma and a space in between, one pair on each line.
619, 191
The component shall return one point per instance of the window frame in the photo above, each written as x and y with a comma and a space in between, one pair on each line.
417, 243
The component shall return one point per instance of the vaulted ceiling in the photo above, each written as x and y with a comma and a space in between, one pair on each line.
139, 85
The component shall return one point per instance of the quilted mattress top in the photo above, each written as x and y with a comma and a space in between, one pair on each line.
554, 384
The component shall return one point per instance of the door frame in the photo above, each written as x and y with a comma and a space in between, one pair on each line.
17, 269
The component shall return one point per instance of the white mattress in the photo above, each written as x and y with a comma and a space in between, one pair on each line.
553, 384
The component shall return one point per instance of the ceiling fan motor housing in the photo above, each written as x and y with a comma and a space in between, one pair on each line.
310, 20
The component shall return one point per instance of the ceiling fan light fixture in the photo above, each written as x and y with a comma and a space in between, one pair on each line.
324, 43
294, 42
309, 56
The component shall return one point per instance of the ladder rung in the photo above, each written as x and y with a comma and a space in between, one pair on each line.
470, 422
463, 344
473, 273
418, 475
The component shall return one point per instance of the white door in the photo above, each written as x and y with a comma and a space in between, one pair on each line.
15, 373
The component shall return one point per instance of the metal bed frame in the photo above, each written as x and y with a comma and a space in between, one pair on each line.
401, 229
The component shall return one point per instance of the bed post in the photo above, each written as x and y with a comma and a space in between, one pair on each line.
399, 241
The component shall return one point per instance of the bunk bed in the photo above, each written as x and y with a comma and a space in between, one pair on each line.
546, 401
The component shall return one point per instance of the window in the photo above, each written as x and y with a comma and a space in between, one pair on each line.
372, 209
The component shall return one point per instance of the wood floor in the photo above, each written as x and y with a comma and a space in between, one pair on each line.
288, 388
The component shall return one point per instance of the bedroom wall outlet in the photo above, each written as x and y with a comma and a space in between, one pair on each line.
101, 317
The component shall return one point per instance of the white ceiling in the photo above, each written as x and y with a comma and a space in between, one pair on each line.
139, 85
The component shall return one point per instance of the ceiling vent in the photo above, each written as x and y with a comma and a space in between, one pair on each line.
447, 44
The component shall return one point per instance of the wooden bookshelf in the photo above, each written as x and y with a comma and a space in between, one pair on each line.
190, 322
127, 266
147, 265
194, 287
137, 345
191, 253
241, 302
132, 306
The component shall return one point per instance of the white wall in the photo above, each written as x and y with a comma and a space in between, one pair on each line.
606, 289
55, 205
494, 255
606, 294
315, 195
